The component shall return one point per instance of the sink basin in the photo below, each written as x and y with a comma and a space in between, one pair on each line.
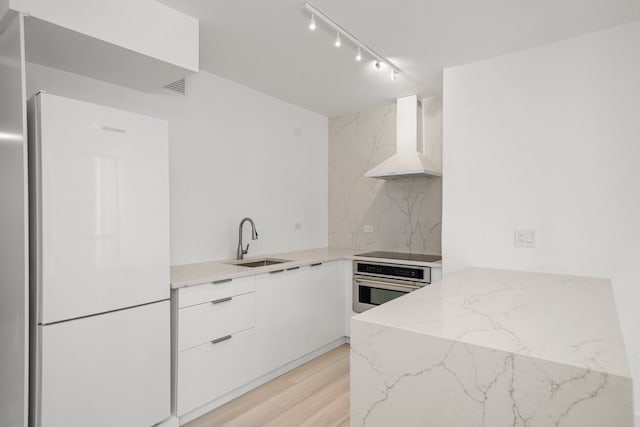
259, 262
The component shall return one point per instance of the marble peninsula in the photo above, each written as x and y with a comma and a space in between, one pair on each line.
493, 348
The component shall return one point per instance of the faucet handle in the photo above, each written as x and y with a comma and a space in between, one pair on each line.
245, 251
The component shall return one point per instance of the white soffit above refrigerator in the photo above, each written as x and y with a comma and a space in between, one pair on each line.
409, 160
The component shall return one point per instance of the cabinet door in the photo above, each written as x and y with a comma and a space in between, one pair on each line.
214, 369
205, 322
324, 302
280, 326
207, 292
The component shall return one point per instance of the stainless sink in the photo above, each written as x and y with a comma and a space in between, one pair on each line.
259, 262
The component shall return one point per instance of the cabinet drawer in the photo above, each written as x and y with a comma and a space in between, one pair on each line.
201, 323
199, 294
211, 370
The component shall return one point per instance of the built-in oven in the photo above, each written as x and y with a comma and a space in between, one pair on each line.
375, 283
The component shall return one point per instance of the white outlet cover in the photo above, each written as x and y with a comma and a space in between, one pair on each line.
524, 238
368, 228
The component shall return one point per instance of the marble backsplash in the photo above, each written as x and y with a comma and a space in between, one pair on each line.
406, 214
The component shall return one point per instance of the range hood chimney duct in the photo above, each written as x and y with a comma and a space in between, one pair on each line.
409, 160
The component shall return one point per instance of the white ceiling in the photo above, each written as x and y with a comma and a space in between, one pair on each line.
266, 44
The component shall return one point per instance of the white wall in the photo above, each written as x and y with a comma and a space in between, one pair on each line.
234, 152
549, 138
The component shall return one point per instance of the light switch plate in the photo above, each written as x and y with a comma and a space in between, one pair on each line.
524, 238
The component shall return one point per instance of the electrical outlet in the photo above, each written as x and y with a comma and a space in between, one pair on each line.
368, 228
524, 238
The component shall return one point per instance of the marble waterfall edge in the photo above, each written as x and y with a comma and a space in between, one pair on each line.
472, 351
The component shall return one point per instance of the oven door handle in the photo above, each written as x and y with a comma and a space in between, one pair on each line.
387, 285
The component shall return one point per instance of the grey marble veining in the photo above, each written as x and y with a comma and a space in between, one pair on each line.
493, 348
406, 214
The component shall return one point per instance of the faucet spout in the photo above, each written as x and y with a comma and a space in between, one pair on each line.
241, 252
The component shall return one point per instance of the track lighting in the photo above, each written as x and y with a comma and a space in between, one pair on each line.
381, 63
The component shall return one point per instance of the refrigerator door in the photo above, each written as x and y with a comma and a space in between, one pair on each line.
102, 205
107, 370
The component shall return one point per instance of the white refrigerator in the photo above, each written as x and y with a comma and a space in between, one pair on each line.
99, 264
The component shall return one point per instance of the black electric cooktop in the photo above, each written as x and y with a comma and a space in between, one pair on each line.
401, 256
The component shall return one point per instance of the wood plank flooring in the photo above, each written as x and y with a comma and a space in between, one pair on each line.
314, 394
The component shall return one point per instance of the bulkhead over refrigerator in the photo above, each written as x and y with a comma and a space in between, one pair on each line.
99, 262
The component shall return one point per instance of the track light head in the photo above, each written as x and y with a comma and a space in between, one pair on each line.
312, 24
338, 42
359, 55
378, 65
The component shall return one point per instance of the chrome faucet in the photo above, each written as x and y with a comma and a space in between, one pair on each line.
254, 236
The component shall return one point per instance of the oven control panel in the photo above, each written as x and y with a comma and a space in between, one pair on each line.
398, 271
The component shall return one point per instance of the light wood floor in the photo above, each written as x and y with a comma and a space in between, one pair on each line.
315, 394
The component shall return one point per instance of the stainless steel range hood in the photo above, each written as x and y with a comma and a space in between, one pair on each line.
409, 160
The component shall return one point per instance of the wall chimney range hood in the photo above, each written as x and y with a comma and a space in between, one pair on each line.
409, 160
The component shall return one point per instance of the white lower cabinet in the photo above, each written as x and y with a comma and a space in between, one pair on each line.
215, 341
297, 311
213, 369
230, 334
280, 329
324, 302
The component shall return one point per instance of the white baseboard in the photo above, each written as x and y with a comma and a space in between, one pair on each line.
169, 422
258, 382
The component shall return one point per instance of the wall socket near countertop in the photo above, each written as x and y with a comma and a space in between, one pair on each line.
367, 228
524, 238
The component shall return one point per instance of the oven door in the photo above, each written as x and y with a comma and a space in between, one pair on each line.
370, 292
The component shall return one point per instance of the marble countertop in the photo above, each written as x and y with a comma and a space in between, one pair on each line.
566, 319
210, 271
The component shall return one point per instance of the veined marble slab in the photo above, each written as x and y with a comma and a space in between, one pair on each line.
406, 214
493, 348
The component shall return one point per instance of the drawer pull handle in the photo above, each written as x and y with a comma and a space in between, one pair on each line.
276, 271
218, 301
217, 282
217, 340
293, 268
316, 264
